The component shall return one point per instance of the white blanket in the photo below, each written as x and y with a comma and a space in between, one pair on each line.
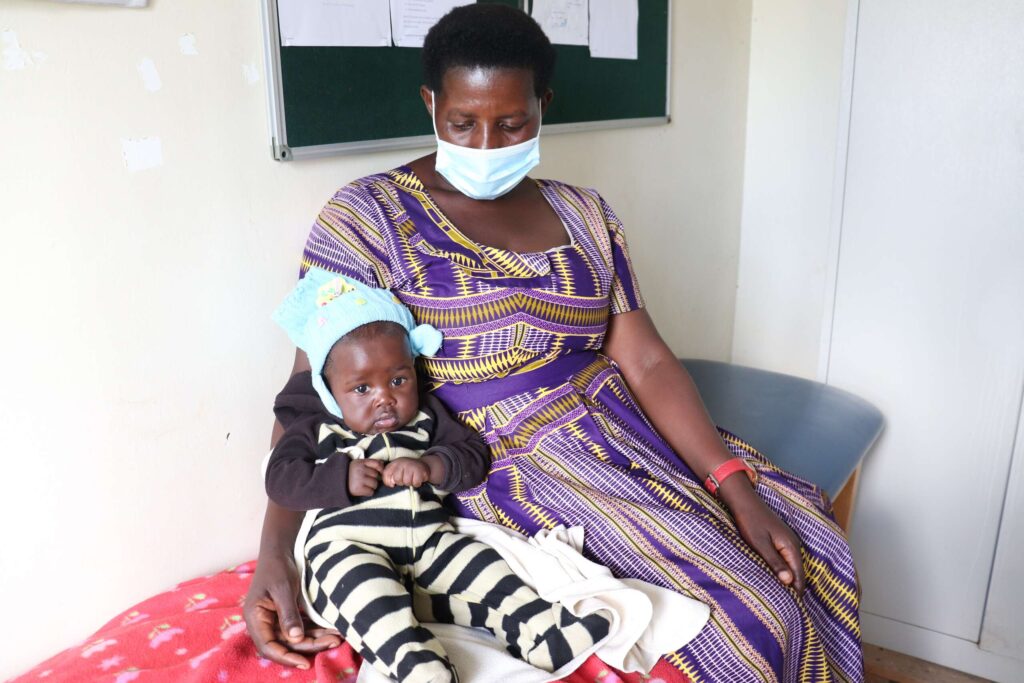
647, 621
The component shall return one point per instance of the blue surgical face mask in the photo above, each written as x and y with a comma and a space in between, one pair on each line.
484, 173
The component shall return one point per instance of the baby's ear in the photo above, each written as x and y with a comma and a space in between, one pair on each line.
425, 340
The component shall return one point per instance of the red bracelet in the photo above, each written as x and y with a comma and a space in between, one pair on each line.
726, 470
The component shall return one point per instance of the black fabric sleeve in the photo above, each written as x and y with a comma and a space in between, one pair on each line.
465, 456
294, 479
298, 399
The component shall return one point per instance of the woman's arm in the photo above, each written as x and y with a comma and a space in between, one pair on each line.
668, 397
271, 607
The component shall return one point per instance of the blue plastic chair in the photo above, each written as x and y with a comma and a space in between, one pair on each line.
814, 430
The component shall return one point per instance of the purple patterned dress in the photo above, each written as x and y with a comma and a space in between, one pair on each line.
522, 364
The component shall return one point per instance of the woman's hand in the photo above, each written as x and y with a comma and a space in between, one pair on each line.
668, 397
271, 611
271, 608
273, 617
769, 536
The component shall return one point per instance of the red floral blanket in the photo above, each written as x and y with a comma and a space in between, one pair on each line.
195, 633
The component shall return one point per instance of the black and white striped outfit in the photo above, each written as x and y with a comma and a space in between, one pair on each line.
378, 567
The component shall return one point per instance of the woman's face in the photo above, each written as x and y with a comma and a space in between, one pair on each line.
486, 108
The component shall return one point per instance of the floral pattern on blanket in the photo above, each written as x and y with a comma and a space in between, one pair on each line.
195, 633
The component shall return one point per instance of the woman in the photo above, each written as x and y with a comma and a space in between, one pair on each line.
549, 353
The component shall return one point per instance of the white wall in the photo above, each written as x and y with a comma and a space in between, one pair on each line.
796, 60
139, 361
678, 188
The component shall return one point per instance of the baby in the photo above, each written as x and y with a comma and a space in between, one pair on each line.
376, 550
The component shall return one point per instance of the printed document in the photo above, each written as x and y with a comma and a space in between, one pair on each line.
613, 26
411, 19
564, 21
334, 23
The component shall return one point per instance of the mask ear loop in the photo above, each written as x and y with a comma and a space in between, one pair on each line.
433, 114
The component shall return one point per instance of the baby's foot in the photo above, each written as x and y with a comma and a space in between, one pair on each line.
568, 639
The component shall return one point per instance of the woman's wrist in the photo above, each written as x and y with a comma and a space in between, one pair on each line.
280, 526
737, 492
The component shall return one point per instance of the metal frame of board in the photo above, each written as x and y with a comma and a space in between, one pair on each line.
279, 135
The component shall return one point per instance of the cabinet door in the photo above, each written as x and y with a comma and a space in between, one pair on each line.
1003, 629
929, 309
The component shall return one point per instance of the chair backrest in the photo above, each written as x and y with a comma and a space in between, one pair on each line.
815, 431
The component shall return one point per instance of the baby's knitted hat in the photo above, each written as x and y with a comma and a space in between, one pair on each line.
323, 307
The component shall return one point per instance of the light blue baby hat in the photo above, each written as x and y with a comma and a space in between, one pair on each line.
324, 307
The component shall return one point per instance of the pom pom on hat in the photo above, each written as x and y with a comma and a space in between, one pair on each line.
323, 307
425, 340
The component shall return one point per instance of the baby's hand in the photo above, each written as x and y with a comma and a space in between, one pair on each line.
363, 476
406, 472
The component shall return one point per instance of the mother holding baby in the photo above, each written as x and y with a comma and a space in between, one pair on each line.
549, 354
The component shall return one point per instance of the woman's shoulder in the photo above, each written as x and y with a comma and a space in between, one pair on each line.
355, 232
365, 202
589, 195
365, 188
569, 187
586, 200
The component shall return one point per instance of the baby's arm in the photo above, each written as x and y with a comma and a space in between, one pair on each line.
302, 475
457, 457
413, 471
364, 476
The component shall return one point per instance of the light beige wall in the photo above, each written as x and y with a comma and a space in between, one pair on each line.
139, 361
796, 61
678, 188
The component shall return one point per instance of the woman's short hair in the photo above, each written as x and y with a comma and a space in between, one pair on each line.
488, 36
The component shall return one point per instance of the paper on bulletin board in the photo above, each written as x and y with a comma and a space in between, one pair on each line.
564, 21
334, 23
411, 19
120, 3
613, 28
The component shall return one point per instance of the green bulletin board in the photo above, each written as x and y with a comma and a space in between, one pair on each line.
335, 100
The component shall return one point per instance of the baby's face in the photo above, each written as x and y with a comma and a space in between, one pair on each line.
374, 383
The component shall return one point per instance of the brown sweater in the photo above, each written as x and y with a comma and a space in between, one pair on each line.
296, 481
